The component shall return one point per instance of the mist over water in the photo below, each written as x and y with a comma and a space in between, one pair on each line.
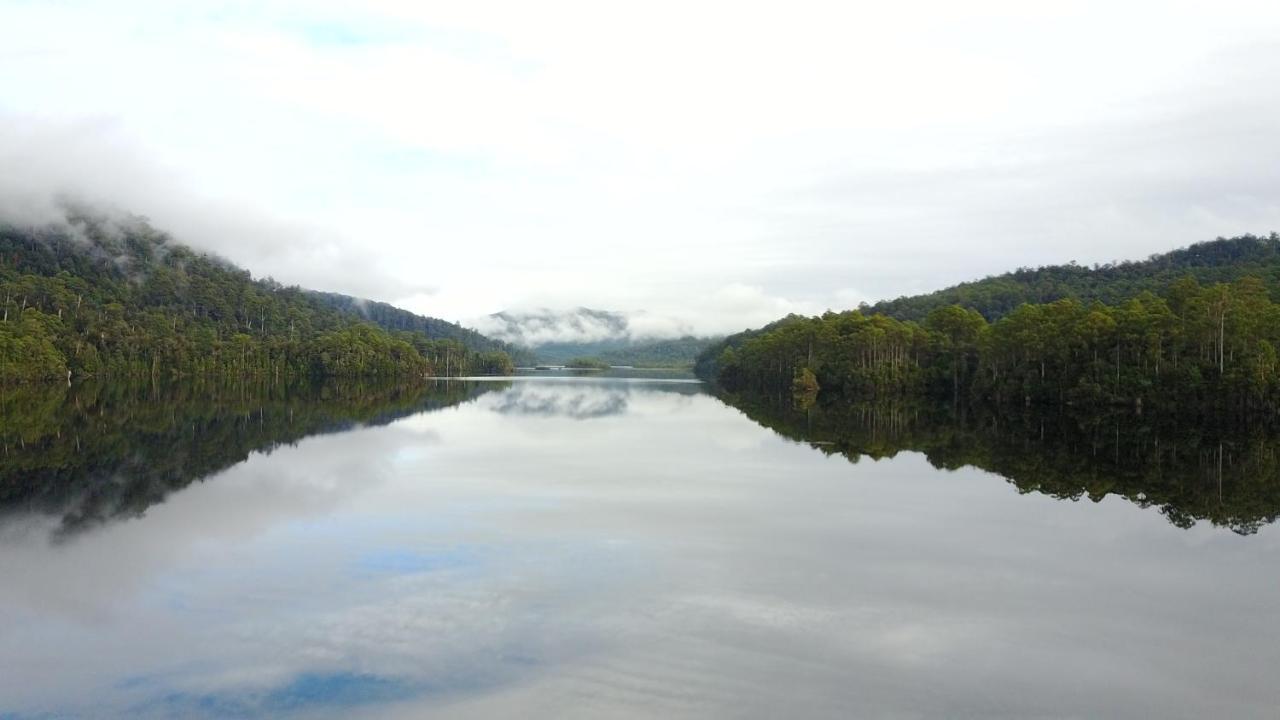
616, 547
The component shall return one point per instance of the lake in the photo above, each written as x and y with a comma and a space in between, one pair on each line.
601, 547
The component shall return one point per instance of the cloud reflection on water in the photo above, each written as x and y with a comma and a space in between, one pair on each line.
670, 559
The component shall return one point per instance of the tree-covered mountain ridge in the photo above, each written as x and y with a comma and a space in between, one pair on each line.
1190, 346
107, 294
392, 318
671, 353
1214, 261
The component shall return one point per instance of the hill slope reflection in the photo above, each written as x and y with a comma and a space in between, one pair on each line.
94, 453
1229, 476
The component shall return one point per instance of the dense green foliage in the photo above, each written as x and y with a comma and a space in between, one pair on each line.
389, 317
1199, 347
674, 353
1202, 348
1218, 261
96, 452
666, 354
1228, 475
100, 295
587, 363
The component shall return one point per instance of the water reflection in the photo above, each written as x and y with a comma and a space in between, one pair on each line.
584, 399
671, 559
97, 452
1229, 476
351, 553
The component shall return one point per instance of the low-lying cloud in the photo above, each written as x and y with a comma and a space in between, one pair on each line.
461, 161
94, 163
534, 328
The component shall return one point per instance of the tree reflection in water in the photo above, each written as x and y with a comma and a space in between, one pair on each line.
92, 453
1228, 475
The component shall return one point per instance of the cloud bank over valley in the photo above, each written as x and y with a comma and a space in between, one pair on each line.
461, 161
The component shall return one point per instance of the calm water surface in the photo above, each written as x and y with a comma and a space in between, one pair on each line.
611, 547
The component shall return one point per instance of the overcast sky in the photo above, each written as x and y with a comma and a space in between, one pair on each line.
717, 163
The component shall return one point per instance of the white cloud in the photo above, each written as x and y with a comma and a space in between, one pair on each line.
750, 306
462, 160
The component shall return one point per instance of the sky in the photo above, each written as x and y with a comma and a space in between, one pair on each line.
711, 165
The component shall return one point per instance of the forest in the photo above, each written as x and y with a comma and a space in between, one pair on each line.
673, 353
646, 353
108, 295
394, 319
587, 363
1199, 347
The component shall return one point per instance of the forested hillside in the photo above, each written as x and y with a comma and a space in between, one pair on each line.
674, 353
105, 295
390, 317
1196, 347
1221, 260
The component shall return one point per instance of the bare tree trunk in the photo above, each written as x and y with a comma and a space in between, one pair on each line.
1222, 335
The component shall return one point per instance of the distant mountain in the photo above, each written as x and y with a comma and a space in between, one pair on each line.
674, 353
1221, 260
679, 352
539, 328
562, 352
556, 337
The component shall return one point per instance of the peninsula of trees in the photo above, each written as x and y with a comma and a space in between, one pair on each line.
100, 295
587, 363
1162, 337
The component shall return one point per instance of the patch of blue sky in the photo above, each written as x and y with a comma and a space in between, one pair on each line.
371, 31
341, 689
307, 691
333, 33
368, 152
412, 159
311, 692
